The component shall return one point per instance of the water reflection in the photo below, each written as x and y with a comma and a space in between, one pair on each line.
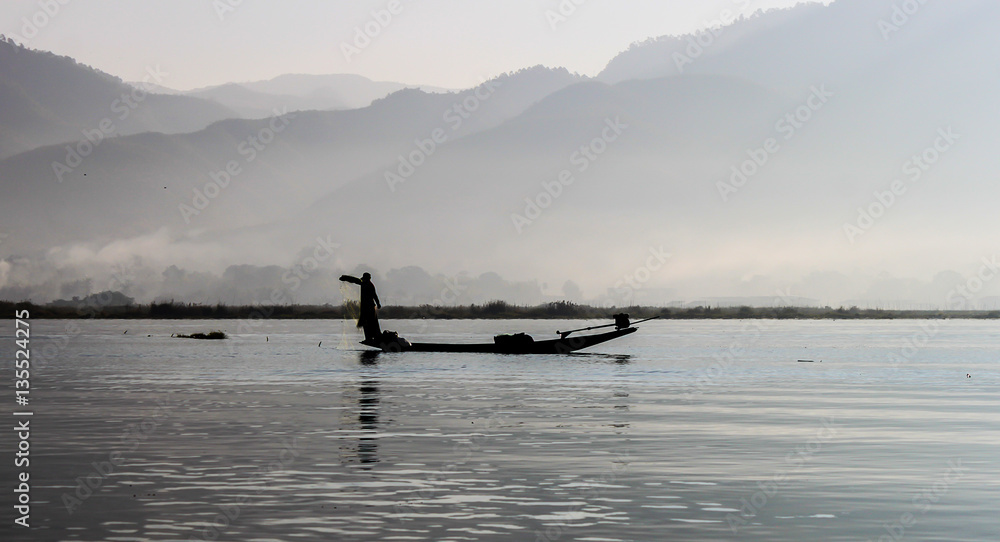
369, 358
620, 359
368, 411
366, 425
368, 407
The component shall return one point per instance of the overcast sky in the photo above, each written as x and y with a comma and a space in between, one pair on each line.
449, 43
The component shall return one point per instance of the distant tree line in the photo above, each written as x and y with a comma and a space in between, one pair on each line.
493, 310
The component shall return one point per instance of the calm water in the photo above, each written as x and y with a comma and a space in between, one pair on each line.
684, 431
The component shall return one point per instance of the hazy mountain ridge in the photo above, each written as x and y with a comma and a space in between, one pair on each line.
50, 99
666, 56
660, 132
250, 104
141, 180
301, 92
835, 43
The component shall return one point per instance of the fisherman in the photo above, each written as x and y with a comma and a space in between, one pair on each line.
369, 302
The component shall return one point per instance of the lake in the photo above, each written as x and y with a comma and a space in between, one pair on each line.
687, 430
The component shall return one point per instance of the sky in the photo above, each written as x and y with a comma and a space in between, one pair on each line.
445, 43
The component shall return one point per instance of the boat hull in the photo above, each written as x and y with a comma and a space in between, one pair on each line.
554, 346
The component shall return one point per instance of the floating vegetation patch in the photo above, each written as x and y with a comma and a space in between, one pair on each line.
210, 336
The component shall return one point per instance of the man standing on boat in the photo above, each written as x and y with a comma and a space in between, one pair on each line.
369, 303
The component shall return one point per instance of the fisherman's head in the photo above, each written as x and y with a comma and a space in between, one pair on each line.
366, 277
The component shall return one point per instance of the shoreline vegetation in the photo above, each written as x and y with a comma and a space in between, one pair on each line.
494, 310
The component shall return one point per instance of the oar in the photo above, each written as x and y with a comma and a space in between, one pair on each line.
646, 320
565, 334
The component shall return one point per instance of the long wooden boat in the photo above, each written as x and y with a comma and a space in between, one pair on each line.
518, 345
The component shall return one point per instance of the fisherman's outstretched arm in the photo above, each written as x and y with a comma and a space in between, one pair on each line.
352, 280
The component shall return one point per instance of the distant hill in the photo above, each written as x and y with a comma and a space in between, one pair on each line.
300, 92
49, 99
839, 43
250, 104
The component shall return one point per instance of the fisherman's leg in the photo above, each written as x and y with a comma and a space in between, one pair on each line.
372, 327
371, 331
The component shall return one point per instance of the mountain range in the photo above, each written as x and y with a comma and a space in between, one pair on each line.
838, 152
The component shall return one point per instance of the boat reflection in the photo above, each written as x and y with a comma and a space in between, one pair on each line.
619, 359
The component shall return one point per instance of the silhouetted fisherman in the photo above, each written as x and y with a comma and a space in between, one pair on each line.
369, 302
